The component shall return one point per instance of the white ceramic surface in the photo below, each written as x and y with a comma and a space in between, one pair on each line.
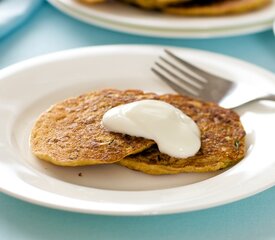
29, 88
128, 19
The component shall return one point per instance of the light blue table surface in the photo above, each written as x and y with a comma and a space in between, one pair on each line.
252, 218
13, 13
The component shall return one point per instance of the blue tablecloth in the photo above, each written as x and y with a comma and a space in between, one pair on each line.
13, 13
253, 218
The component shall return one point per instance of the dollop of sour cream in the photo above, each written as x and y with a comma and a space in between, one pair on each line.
175, 133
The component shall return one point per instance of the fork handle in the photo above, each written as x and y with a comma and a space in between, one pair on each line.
269, 97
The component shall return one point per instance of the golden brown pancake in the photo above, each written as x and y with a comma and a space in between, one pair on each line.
153, 4
216, 7
70, 133
195, 7
147, 4
91, 1
222, 141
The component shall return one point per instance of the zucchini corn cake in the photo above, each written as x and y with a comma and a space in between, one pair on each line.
215, 7
153, 4
222, 141
70, 133
195, 7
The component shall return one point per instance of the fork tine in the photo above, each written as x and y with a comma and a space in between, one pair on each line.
185, 84
194, 81
173, 85
195, 69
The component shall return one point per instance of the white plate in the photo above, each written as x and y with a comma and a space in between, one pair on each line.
125, 18
172, 33
29, 88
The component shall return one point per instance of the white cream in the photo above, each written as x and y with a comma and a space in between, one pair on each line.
175, 133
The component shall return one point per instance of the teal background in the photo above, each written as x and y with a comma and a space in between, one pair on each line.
13, 13
49, 30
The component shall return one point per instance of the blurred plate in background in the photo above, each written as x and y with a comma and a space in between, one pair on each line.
121, 17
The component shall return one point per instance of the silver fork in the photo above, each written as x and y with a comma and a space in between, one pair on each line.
188, 79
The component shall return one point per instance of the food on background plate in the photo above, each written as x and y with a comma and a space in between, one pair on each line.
153, 4
71, 133
217, 7
196, 7
91, 1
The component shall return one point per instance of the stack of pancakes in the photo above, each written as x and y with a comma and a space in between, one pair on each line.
70, 133
196, 7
